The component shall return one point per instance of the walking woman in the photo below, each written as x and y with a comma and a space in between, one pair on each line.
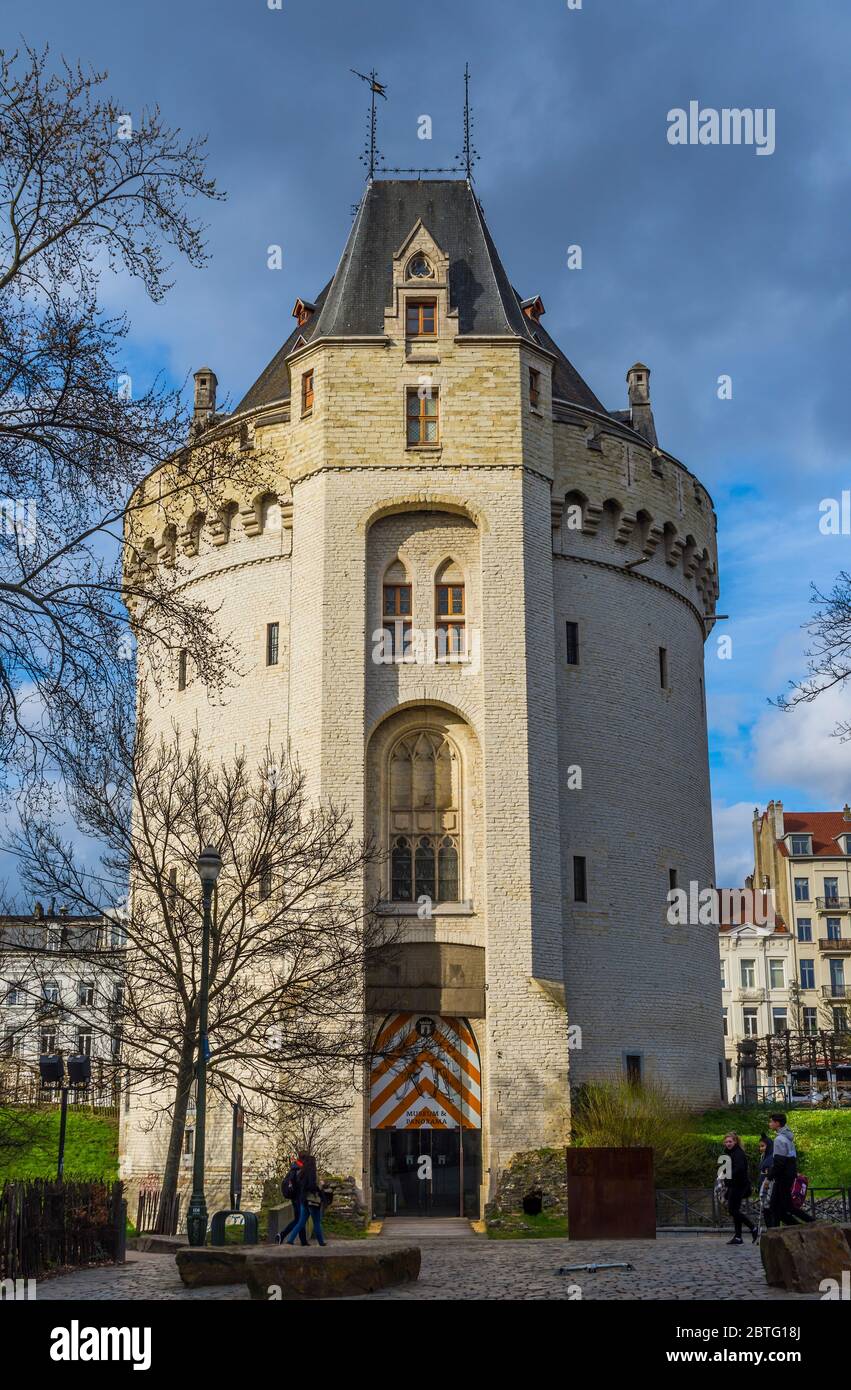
738, 1186
309, 1199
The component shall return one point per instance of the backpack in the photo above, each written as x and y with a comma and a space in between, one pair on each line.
288, 1187
799, 1190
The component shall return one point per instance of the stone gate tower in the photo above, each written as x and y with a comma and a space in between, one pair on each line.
491, 596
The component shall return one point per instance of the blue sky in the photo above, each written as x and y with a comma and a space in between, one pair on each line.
698, 260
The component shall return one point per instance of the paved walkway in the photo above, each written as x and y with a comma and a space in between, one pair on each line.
461, 1267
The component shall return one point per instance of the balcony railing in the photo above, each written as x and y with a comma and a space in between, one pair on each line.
833, 904
836, 991
830, 943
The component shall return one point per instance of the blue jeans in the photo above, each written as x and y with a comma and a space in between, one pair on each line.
291, 1225
316, 1214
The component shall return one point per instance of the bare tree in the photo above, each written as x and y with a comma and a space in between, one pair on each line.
829, 657
291, 935
86, 188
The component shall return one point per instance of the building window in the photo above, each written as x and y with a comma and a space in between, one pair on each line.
534, 388
53, 938
419, 268
749, 1021
47, 1040
810, 1020
272, 630
451, 623
572, 632
834, 928
50, 991
723, 974
16, 995
85, 993
181, 671
800, 844
724, 1021
840, 1021
837, 978
421, 318
805, 928
778, 1020
12, 1043
580, 880
831, 890
307, 392
802, 890
265, 881
748, 969
84, 1042
663, 667
728, 1068
396, 618
171, 888
423, 415
424, 790
777, 974
672, 880
632, 1062
808, 974
188, 1142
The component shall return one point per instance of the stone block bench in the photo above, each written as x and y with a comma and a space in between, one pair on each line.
800, 1258
282, 1272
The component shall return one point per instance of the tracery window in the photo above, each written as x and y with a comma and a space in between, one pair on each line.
424, 819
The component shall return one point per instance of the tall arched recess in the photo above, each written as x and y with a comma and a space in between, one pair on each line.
425, 1116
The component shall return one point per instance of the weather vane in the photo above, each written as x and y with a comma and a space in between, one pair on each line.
376, 89
374, 160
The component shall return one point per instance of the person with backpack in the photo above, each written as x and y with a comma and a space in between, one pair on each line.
784, 1173
737, 1187
310, 1200
289, 1192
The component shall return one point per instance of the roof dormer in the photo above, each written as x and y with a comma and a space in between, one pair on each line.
302, 311
533, 308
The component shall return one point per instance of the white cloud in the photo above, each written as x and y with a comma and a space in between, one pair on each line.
733, 842
800, 750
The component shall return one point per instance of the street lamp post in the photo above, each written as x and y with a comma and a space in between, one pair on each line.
209, 867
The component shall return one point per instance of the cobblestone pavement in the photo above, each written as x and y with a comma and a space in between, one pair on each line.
672, 1267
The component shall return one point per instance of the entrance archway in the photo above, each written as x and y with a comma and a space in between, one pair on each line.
425, 1108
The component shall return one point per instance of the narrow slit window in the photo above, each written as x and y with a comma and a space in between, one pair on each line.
572, 644
663, 667
534, 387
451, 621
181, 670
307, 393
272, 631
580, 879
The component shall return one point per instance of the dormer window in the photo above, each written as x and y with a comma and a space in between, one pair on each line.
420, 268
421, 318
846, 843
799, 844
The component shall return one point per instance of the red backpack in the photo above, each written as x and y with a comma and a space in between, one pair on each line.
799, 1190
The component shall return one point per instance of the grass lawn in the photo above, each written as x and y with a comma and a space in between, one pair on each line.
518, 1226
29, 1143
822, 1138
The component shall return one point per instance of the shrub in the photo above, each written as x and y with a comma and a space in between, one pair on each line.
621, 1114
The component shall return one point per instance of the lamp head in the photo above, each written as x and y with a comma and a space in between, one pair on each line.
209, 864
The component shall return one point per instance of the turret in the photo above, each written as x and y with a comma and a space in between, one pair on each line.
641, 412
205, 397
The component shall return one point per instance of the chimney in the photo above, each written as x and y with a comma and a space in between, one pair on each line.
638, 382
846, 812
205, 397
779, 828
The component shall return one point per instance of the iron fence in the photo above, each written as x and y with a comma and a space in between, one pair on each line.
156, 1215
699, 1207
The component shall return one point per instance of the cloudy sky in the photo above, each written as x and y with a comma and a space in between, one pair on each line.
701, 261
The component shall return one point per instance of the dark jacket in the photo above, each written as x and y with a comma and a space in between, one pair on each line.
738, 1183
766, 1161
306, 1181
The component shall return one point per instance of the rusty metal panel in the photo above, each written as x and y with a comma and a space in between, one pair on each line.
611, 1194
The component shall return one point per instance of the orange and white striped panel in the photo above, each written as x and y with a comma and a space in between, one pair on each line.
425, 1074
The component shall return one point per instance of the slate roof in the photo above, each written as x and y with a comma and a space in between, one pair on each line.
353, 303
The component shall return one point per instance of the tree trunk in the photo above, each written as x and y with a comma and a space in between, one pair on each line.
171, 1174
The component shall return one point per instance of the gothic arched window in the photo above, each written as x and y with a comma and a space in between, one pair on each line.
424, 819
